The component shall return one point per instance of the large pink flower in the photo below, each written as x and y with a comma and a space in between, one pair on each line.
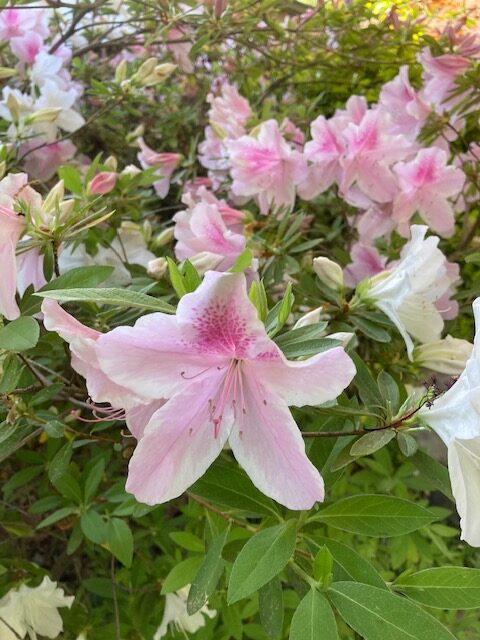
439, 75
266, 167
12, 227
225, 380
426, 183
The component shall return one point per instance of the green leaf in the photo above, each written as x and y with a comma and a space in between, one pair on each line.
191, 277
371, 442
14, 436
323, 566
11, 371
56, 516
182, 573
312, 614
115, 297
71, 178
188, 541
20, 334
375, 515
80, 277
227, 485
94, 526
208, 575
243, 261
270, 600
348, 564
120, 541
407, 444
281, 311
389, 391
261, 559
58, 466
258, 296
377, 614
370, 329
54, 429
93, 480
435, 472
443, 587
176, 278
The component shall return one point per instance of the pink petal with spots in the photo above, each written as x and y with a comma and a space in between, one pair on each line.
178, 444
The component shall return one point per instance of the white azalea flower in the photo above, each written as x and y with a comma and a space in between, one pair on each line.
32, 611
51, 97
455, 417
407, 293
176, 614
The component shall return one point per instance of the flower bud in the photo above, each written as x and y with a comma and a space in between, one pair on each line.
165, 237
111, 163
145, 70
49, 114
102, 183
7, 72
3, 167
206, 261
312, 317
121, 71
130, 170
448, 356
343, 336
54, 197
329, 272
157, 268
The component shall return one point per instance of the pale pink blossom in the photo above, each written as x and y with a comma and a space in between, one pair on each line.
375, 222
179, 45
26, 47
371, 150
266, 167
407, 109
425, 185
292, 133
166, 163
323, 154
229, 111
203, 228
366, 262
103, 182
355, 109
439, 75
18, 22
12, 227
42, 161
226, 380
233, 218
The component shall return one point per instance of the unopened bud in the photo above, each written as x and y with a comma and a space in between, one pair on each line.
111, 163
3, 167
329, 272
102, 183
312, 317
54, 197
49, 114
130, 170
165, 237
121, 71
145, 70
7, 72
206, 261
157, 268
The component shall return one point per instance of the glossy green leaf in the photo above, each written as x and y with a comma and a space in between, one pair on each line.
443, 587
313, 618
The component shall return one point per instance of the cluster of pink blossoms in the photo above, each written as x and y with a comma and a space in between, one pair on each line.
40, 116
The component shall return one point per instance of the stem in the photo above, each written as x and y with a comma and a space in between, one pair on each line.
115, 601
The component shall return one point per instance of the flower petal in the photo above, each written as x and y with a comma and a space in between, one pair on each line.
178, 444
307, 382
268, 444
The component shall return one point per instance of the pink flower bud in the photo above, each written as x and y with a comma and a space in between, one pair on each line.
102, 183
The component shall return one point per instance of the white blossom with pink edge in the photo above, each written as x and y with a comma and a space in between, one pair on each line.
226, 380
408, 292
266, 167
455, 417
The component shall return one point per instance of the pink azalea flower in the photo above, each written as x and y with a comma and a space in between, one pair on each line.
292, 133
233, 218
375, 222
439, 75
203, 228
426, 183
370, 151
43, 162
102, 389
354, 112
18, 22
11, 228
366, 262
407, 110
225, 380
27, 47
323, 154
267, 167
179, 46
166, 163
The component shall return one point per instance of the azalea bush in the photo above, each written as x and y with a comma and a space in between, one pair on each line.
239, 321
